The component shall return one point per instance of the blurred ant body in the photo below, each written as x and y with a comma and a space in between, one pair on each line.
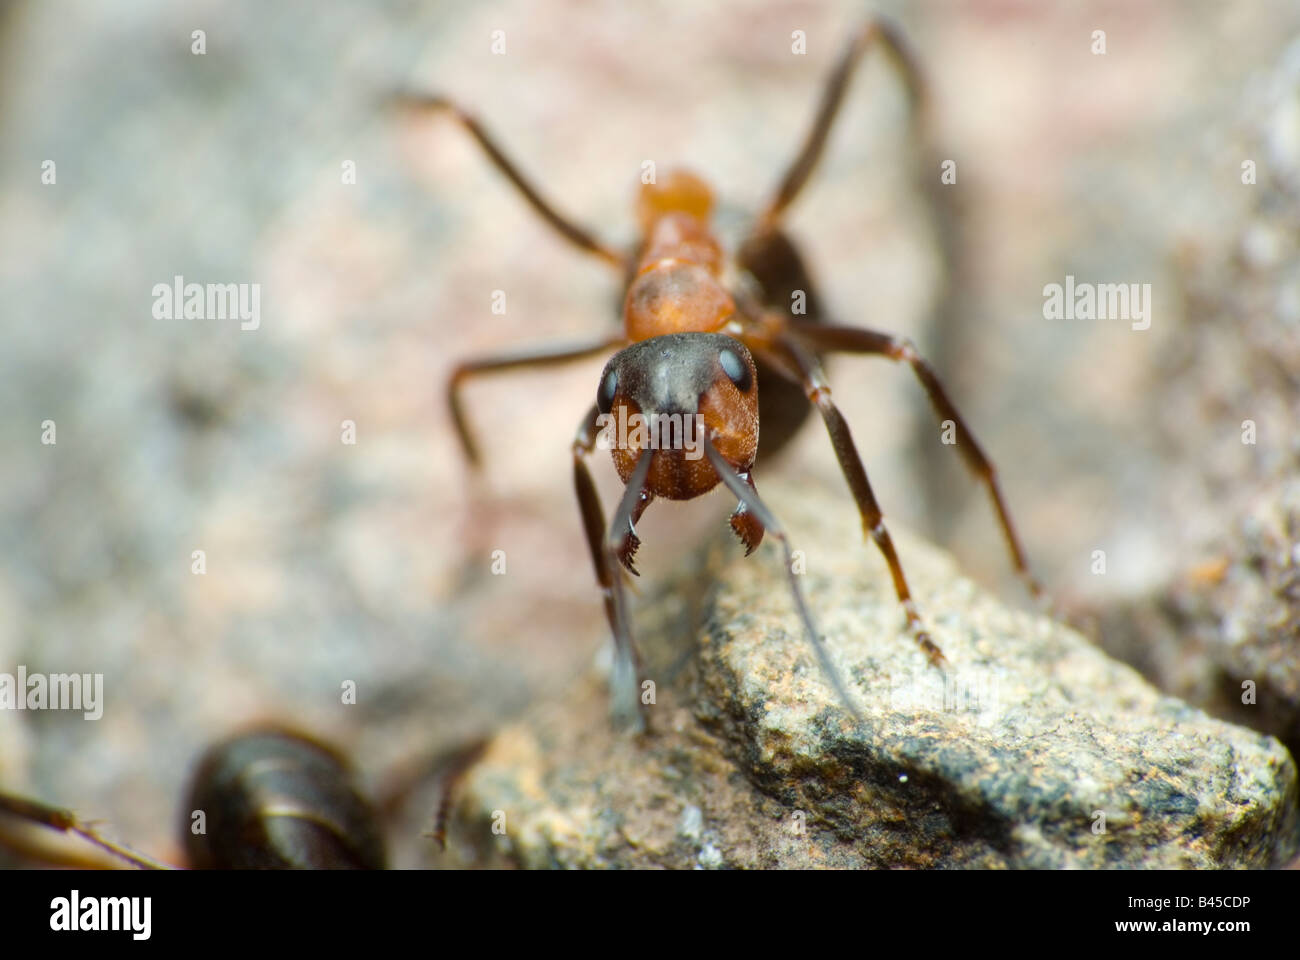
700, 334
268, 799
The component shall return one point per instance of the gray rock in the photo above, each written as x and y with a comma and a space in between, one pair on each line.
1032, 749
1222, 628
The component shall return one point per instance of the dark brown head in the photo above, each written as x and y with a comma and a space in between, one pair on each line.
665, 394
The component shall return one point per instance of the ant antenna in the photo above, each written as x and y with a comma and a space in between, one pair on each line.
746, 493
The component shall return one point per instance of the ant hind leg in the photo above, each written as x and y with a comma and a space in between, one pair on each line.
578, 236
874, 32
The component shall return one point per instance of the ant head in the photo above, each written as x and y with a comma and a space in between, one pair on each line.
669, 392
677, 191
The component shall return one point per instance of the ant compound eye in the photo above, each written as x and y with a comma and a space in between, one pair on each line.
736, 369
605, 395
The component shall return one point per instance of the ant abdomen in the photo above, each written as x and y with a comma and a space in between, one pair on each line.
273, 800
774, 262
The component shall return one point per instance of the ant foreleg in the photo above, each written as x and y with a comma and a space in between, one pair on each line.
742, 487
627, 660
539, 356
605, 550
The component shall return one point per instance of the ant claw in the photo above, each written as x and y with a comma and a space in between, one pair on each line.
931, 650
748, 528
627, 552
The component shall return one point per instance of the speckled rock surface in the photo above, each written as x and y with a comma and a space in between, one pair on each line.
1033, 749
1222, 629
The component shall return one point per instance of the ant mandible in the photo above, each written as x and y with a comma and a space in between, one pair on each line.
699, 336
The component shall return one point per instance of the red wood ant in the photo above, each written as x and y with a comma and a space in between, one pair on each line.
700, 334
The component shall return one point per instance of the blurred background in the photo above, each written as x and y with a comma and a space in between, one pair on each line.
371, 562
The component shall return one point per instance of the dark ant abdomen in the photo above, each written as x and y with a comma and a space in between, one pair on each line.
774, 262
279, 801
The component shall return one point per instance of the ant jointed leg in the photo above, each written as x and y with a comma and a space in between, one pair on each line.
700, 332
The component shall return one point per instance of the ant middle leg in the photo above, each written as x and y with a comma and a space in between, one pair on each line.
578, 236
900, 350
874, 31
539, 356
791, 359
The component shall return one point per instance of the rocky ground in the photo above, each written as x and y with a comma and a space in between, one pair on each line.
1030, 749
